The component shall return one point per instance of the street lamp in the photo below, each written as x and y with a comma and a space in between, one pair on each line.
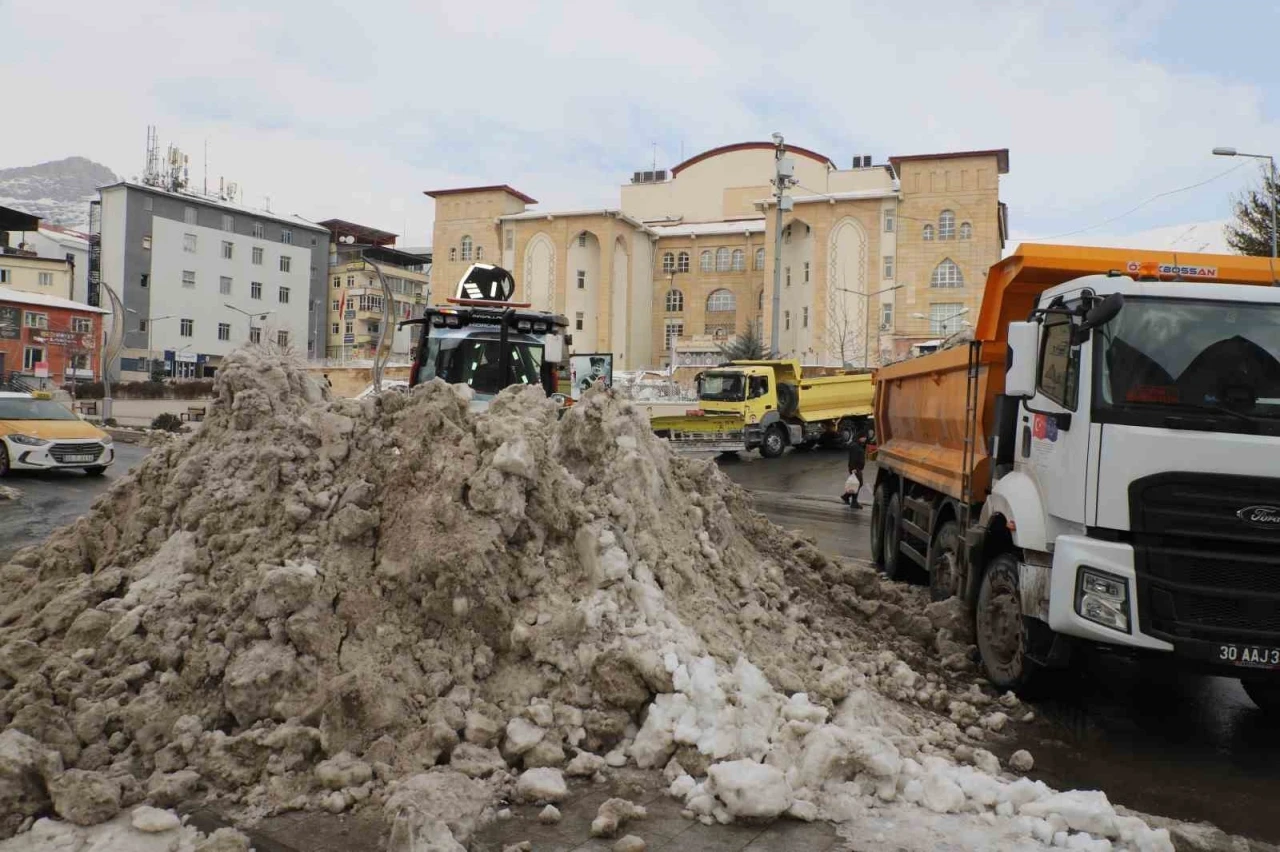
250, 314
1232, 152
150, 321
943, 322
866, 339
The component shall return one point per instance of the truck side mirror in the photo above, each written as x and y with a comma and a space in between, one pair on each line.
1024, 348
1103, 312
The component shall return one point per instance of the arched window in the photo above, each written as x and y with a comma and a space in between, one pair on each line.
759, 258
466, 248
721, 333
926, 233
760, 301
675, 300
668, 263
946, 225
704, 261
966, 231
946, 274
739, 260
453, 253
682, 262
479, 252
720, 300
722, 260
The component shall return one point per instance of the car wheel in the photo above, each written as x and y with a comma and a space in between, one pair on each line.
1000, 626
1264, 693
4, 460
877, 526
95, 471
944, 562
774, 443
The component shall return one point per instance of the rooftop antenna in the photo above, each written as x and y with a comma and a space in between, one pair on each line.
655, 156
151, 174
206, 165
268, 203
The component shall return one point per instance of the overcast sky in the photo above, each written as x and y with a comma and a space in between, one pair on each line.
351, 110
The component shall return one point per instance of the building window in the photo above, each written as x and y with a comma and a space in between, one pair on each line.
337, 284
255, 289
31, 319
259, 230
282, 338
351, 281
350, 327
804, 317
31, 356
786, 235
81, 325
510, 239
142, 325
453, 254
337, 304
148, 203
4, 276
286, 263
806, 272
739, 263
682, 262
466, 248
759, 259
224, 286
255, 334
889, 221
188, 278
668, 263
224, 331
145, 281
227, 250
582, 240
189, 215
926, 233
189, 243
582, 279
257, 256
888, 266
45, 279
886, 317
286, 236
704, 261
283, 295
146, 243
966, 231
335, 329
721, 300
787, 271
351, 303
786, 318
577, 321
722, 260
675, 301
946, 274
479, 252
944, 318
228, 223
186, 327
946, 225
374, 328
672, 330
760, 301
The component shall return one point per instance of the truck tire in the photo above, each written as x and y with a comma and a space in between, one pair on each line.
893, 562
877, 526
788, 399
1265, 694
1000, 627
846, 433
944, 562
775, 441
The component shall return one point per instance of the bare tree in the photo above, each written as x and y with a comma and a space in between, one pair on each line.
846, 333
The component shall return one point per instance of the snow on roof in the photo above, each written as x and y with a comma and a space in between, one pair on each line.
19, 297
703, 229
551, 214
291, 219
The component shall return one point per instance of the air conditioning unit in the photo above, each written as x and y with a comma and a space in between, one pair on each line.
637, 177
660, 175
886, 326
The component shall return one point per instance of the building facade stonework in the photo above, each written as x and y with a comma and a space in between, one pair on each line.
875, 258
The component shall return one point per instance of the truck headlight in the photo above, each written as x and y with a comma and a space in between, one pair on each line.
28, 440
1103, 599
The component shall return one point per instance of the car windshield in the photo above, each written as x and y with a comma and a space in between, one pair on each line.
1218, 359
18, 408
723, 386
474, 361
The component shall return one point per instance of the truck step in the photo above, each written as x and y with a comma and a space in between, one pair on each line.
917, 531
914, 555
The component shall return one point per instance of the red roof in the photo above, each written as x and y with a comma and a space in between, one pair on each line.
750, 146
1001, 155
500, 187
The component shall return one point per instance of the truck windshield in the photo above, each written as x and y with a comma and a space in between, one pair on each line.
729, 387
474, 361
1178, 363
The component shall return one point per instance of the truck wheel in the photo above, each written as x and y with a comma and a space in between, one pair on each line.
846, 434
944, 562
877, 526
1001, 631
774, 442
1264, 693
891, 537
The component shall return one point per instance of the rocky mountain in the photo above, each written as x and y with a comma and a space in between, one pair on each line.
58, 191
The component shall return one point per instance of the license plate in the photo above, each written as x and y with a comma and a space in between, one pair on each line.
1249, 655
70, 459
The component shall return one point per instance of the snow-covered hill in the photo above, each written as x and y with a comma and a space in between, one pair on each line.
58, 191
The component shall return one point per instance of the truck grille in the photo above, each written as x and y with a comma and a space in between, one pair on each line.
61, 452
1203, 572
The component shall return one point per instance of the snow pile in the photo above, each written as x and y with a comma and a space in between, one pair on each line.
395, 603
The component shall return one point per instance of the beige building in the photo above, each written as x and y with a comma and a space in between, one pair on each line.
31, 274
874, 258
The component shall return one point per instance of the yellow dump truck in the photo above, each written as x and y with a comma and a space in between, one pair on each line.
770, 405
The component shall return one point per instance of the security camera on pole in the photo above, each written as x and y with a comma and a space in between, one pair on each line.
784, 177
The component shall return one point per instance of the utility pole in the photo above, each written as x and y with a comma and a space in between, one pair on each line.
784, 169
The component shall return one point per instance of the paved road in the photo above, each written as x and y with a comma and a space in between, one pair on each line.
1176, 745
53, 499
